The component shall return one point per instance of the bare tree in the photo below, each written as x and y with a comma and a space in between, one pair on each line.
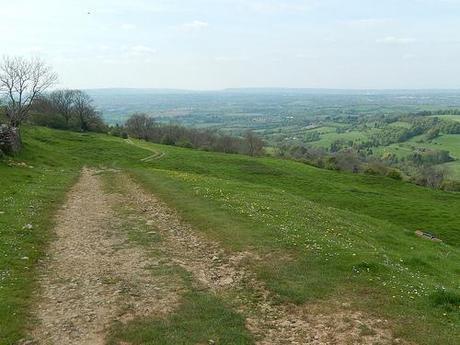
254, 144
432, 176
83, 109
140, 126
63, 103
347, 160
21, 82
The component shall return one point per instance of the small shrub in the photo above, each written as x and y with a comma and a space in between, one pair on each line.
375, 167
51, 120
371, 171
451, 186
184, 143
167, 140
394, 174
446, 299
331, 163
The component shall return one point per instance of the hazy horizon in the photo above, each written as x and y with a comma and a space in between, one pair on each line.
274, 89
216, 45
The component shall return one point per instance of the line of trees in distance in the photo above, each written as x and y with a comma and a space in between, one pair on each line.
144, 127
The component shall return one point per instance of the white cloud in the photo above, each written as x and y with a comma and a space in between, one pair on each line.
196, 25
139, 50
35, 50
306, 56
143, 49
280, 6
369, 22
409, 56
397, 40
128, 27
122, 6
230, 59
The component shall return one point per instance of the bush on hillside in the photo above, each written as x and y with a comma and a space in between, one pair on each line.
376, 167
394, 174
49, 120
447, 300
451, 186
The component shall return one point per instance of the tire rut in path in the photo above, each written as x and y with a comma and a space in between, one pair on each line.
93, 276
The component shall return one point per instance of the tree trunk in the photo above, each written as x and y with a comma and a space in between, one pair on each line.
10, 140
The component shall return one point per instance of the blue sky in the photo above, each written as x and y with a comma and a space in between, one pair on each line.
214, 44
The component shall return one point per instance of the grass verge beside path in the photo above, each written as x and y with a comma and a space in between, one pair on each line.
29, 197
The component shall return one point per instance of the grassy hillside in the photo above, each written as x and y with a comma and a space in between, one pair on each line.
324, 234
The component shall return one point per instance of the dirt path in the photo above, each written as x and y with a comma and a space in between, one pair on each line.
95, 276
155, 156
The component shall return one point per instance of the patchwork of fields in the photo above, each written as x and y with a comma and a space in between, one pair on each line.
448, 142
329, 132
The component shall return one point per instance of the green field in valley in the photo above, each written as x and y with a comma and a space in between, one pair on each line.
448, 142
328, 235
449, 117
351, 134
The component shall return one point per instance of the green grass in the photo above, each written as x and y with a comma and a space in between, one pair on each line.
328, 138
335, 235
328, 135
448, 117
28, 198
400, 124
201, 317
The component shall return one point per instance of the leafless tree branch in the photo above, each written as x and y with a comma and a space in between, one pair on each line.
21, 82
